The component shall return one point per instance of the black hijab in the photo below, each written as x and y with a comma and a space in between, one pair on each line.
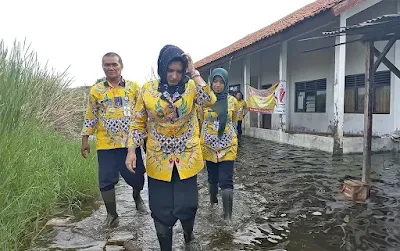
168, 54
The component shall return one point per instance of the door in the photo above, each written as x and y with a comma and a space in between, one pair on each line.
266, 118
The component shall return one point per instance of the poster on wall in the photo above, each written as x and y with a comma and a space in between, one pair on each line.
269, 101
280, 93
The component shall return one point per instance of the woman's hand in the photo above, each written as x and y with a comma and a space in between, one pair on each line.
190, 67
130, 161
193, 73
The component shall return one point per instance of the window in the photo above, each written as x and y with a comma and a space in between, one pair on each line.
355, 91
311, 96
266, 86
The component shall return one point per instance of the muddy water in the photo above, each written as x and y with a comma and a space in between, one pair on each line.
285, 199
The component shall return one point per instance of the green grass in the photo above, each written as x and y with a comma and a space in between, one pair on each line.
41, 169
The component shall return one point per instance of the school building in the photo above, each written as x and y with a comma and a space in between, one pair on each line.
317, 116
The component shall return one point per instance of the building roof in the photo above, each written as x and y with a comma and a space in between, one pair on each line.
385, 22
307, 11
382, 28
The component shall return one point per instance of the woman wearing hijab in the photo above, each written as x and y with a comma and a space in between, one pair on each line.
165, 113
219, 141
241, 113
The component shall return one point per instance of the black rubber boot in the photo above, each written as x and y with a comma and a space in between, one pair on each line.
213, 189
164, 235
140, 206
191, 242
227, 202
111, 207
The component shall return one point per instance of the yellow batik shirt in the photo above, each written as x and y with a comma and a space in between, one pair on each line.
220, 149
242, 107
109, 113
172, 131
199, 114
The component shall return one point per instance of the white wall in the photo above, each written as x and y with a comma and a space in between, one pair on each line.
320, 64
270, 74
255, 80
311, 66
355, 58
235, 73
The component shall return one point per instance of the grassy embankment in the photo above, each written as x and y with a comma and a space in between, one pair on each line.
41, 169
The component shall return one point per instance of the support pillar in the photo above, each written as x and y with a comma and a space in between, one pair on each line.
395, 108
260, 79
259, 118
338, 91
246, 83
283, 78
368, 109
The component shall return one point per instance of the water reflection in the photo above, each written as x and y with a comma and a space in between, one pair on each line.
285, 198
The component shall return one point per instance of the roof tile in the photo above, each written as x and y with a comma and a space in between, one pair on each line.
307, 11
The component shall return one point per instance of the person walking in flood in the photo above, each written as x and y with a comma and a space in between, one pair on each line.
111, 102
219, 141
166, 113
241, 114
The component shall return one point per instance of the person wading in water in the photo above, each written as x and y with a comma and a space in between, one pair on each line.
166, 113
241, 114
111, 102
219, 141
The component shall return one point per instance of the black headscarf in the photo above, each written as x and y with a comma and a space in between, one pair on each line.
168, 54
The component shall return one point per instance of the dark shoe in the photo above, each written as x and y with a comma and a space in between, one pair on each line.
164, 235
227, 201
111, 207
191, 242
140, 206
111, 221
213, 189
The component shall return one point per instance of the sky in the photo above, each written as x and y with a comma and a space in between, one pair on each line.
76, 34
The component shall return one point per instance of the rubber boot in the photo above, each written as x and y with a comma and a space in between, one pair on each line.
227, 201
213, 189
191, 242
140, 206
239, 137
111, 207
164, 235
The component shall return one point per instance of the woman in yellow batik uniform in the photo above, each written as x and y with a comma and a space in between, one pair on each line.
219, 141
166, 113
241, 114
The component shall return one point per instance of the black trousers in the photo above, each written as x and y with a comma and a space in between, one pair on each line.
221, 173
173, 201
112, 163
239, 127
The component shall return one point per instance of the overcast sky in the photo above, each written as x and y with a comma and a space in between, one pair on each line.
76, 33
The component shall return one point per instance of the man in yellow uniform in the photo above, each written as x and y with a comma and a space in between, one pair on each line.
241, 114
111, 104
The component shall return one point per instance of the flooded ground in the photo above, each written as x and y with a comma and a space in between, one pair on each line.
286, 198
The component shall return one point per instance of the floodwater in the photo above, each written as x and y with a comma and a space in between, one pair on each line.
285, 198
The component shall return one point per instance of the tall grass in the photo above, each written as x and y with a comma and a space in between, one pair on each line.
40, 164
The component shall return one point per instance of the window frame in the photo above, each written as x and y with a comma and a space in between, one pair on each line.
357, 81
313, 86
